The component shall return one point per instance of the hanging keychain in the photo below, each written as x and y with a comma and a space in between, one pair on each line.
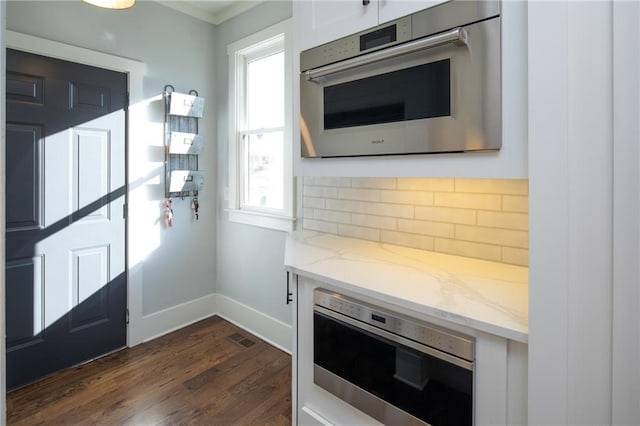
195, 206
168, 213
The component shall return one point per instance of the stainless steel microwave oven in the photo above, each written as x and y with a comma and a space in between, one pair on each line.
426, 83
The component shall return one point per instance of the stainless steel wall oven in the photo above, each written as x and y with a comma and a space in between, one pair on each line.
426, 83
398, 370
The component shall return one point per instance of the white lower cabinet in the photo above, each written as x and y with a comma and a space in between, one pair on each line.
308, 417
500, 370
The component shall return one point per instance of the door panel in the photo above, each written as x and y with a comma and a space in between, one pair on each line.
25, 88
90, 274
65, 243
91, 166
26, 301
90, 97
24, 165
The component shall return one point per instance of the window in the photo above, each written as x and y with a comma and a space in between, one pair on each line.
260, 129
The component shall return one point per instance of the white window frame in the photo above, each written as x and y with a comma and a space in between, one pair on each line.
238, 53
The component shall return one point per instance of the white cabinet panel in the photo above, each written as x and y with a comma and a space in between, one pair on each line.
388, 10
517, 379
320, 21
308, 417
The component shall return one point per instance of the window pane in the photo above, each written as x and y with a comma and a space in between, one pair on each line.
265, 92
265, 170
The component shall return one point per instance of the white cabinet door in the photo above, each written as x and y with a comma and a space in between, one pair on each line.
388, 10
308, 417
320, 21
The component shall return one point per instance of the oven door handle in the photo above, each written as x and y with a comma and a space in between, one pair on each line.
457, 36
395, 338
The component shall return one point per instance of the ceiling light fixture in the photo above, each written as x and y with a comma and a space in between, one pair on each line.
112, 4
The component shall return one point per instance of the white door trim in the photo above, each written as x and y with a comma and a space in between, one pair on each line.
3, 368
136, 71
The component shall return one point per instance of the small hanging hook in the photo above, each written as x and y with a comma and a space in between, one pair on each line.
193, 92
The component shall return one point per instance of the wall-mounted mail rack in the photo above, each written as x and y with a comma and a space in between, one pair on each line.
183, 143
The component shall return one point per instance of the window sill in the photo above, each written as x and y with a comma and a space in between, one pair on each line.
262, 220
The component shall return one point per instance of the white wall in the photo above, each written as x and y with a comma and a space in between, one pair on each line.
250, 259
173, 266
626, 214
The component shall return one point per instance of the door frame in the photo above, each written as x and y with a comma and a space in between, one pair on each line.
135, 71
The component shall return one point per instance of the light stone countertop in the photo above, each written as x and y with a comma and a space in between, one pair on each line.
488, 296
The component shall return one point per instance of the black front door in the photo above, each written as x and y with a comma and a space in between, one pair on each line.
66, 288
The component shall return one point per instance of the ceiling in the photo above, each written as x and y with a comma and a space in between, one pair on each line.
213, 11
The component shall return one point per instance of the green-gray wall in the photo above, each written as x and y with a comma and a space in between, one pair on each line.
250, 259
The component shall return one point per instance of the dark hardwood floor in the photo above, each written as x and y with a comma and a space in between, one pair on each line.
210, 373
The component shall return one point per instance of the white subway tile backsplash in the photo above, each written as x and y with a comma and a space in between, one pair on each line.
346, 205
380, 209
419, 184
405, 239
515, 256
504, 220
395, 210
327, 181
502, 237
332, 216
435, 229
514, 203
468, 201
481, 218
379, 222
359, 194
320, 191
468, 249
320, 226
359, 232
313, 202
493, 186
417, 198
374, 183
446, 214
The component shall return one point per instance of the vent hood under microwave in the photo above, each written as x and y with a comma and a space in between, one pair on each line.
426, 83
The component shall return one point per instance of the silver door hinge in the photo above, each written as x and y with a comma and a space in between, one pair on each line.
124, 211
127, 315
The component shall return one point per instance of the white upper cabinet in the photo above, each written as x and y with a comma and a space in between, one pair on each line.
388, 10
320, 21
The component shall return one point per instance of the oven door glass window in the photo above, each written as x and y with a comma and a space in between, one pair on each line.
414, 93
424, 386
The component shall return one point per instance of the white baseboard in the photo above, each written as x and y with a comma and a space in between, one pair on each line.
269, 329
173, 318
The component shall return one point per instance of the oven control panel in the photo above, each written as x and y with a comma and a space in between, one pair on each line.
409, 328
383, 36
